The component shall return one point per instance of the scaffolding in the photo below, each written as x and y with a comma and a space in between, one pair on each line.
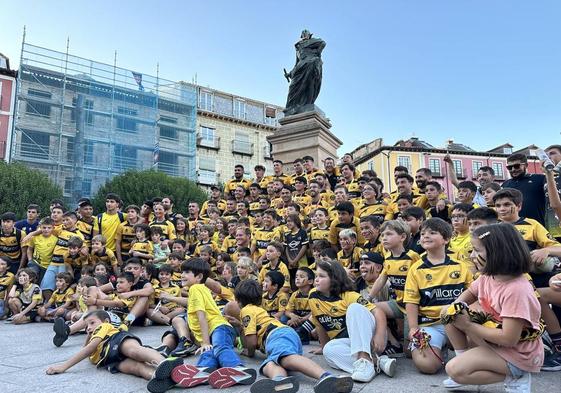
83, 122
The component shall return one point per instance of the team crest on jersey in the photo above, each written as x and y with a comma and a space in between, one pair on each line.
403, 268
333, 310
549, 236
245, 321
428, 277
522, 231
362, 301
455, 274
283, 302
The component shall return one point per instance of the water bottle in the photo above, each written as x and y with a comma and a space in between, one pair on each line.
547, 163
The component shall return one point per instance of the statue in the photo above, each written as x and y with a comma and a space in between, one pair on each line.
305, 77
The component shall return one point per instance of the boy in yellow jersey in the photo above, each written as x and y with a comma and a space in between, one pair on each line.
274, 263
345, 220
350, 254
106, 223
320, 229
282, 347
205, 239
274, 300
298, 308
229, 244
460, 244
7, 279
262, 237
372, 204
125, 235
61, 300
86, 220
100, 253
120, 351
208, 327
142, 247
398, 260
11, 241
370, 231
162, 310
40, 248
432, 282
115, 303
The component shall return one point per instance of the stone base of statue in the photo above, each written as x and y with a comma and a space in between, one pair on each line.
304, 134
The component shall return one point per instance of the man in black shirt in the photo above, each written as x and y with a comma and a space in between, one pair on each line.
530, 185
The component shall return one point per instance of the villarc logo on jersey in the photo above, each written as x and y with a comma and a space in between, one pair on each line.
443, 293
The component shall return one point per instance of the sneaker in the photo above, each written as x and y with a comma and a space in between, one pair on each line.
161, 381
363, 371
394, 351
281, 384
450, 384
519, 385
163, 350
188, 376
334, 384
184, 348
229, 376
387, 365
552, 362
160, 385
62, 331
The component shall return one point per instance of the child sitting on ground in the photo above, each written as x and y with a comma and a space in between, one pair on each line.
274, 300
163, 310
61, 301
298, 309
24, 298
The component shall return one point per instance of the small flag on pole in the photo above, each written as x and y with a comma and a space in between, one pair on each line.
138, 79
156, 152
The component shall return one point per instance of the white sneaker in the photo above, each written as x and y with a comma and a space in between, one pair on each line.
387, 365
363, 371
520, 385
450, 384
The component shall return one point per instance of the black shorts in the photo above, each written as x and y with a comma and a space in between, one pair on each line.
112, 349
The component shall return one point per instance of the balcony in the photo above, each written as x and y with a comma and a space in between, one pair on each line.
437, 174
207, 178
461, 174
209, 143
242, 147
267, 152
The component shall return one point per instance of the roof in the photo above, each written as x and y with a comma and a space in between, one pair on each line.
458, 147
5, 66
414, 142
500, 148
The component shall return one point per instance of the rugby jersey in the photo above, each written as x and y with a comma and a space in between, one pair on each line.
256, 320
262, 237
299, 303
276, 303
396, 268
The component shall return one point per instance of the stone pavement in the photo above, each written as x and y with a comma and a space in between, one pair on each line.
27, 350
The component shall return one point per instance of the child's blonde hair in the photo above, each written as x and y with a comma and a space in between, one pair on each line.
398, 226
248, 264
99, 238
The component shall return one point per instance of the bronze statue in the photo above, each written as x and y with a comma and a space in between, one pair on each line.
305, 77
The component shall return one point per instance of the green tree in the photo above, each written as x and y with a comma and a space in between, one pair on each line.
135, 187
22, 186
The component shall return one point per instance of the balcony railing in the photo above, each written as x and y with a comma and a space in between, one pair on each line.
211, 143
208, 178
242, 147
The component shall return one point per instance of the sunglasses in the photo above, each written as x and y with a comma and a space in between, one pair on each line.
513, 166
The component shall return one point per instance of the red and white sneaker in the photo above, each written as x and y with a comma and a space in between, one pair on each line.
229, 376
188, 376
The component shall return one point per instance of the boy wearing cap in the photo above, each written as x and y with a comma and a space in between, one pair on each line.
371, 265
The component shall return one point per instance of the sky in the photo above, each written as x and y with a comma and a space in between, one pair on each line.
479, 72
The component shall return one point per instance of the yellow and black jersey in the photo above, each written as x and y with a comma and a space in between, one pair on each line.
171, 289
350, 260
330, 312
354, 189
176, 278
254, 207
396, 269
317, 233
276, 303
415, 195
59, 298
281, 267
256, 320
225, 296
220, 204
299, 303
86, 228
106, 224
10, 244
121, 311
105, 256
126, 236
460, 248
373, 247
302, 199
229, 245
328, 197
144, 247
312, 175
230, 215
311, 207
209, 243
286, 179
61, 248
433, 286
379, 209
43, 247
337, 227
168, 228
535, 234
6, 280
231, 185
262, 237
104, 332
29, 294
76, 260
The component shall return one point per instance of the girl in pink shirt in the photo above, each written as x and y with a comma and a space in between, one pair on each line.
505, 293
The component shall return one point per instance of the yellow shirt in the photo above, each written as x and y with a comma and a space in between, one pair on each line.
460, 248
255, 320
200, 299
396, 268
125, 234
108, 227
167, 228
59, 298
337, 227
276, 303
262, 237
61, 248
43, 248
281, 267
352, 259
171, 289
104, 332
299, 304
6, 281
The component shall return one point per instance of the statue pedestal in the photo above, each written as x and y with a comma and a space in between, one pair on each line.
304, 134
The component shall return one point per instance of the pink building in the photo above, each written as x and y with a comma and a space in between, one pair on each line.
7, 103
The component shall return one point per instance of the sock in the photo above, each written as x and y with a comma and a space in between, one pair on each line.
278, 377
459, 351
325, 374
130, 317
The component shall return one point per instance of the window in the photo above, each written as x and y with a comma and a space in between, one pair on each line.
475, 165
207, 134
125, 157
68, 185
241, 144
207, 170
404, 161
371, 165
69, 148
458, 168
38, 108
168, 163
88, 153
88, 114
39, 93
206, 100
498, 168
126, 124
168, 119
168, 132
270, 116
86, 188
434, 166
35, 144
239, 109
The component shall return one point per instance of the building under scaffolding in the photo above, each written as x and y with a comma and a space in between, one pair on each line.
82, 122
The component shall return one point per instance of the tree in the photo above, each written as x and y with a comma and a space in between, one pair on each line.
22, 186
135, 187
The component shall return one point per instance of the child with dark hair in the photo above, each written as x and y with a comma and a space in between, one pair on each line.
298, 309
282, 346
274, 299
141, 247
163, 310
348, 326
507, 347
160, 248
466, 192
60, 301
370, 231
489, 190
414, 217
460, 246
24, 297
296, 242
481, 216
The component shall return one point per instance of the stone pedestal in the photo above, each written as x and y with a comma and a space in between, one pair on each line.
304, 134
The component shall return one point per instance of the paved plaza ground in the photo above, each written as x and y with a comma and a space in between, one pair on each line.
27, 350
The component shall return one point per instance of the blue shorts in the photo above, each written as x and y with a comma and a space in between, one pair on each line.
281, 342
49, 279
437, 334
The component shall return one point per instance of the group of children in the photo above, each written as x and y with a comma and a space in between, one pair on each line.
368, 280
